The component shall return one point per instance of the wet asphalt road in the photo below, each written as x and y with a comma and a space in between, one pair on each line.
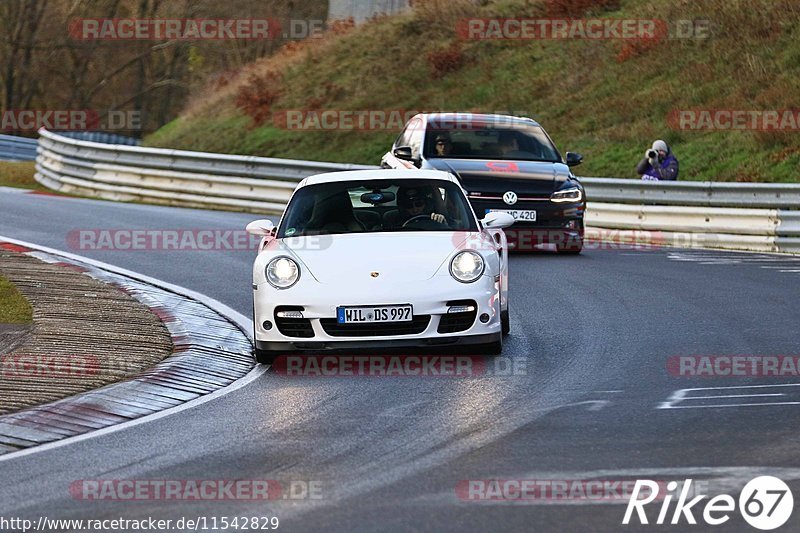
591, 339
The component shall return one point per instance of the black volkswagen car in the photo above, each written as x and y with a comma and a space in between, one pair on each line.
506, 164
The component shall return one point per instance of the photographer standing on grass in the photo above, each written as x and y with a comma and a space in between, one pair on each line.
658, 164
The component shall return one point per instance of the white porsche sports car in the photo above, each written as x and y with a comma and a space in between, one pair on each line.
379, 259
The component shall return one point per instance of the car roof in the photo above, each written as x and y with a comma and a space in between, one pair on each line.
378, 173
478, 117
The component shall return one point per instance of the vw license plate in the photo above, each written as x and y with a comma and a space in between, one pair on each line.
524, 214
381, 313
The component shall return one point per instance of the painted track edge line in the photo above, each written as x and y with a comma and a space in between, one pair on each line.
234, 316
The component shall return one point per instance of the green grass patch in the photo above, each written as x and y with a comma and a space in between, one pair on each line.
14, 308
19, 174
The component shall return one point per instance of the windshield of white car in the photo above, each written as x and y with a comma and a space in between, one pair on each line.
382, 205
520, 142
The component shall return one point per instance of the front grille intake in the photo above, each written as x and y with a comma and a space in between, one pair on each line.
293, 327
454, 322
375, 329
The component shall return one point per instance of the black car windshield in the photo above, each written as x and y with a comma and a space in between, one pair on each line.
514, 141
380, 205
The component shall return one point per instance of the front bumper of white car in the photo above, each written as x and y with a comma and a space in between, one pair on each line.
432, 325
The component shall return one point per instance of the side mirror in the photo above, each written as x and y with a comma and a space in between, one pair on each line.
263, 228
574, 159
497, 220
404, 153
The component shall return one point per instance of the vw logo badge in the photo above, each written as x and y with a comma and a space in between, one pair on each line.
510, 197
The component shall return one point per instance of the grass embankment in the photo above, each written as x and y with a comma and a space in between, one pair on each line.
607, 99
14, 308
19, 174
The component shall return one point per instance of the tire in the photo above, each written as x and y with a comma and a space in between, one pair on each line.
493, 348
264, 357
486, 350
505, 322
573, 248
261, 356
574, 245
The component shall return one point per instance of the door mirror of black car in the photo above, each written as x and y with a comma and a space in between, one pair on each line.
404, 153
574, 159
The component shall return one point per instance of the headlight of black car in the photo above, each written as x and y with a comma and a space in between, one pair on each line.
573, 194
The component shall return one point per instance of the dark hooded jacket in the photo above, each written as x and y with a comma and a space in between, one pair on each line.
666, 171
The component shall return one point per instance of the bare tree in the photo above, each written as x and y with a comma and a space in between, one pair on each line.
43, 65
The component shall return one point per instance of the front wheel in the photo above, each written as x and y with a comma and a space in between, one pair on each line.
488, 349
573, 248
505, 323
574, 243
493, 348
265, 357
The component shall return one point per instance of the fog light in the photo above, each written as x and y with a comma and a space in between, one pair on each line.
267, 325
571, 224
461, 308
484, 318
289, 314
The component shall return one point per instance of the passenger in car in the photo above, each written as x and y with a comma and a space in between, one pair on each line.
443, 144
415, 202
507, 143
333, 213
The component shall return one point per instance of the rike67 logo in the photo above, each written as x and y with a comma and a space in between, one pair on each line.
765, 503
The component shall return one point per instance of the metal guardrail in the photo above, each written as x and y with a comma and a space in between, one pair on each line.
174, 177
693, 193
202, 163
13, 148
101, 137
751, 216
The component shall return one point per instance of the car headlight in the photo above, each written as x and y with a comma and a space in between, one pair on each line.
467, 266
573, 194
282, 272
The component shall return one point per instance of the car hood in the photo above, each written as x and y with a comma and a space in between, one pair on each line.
397, 257
492, 176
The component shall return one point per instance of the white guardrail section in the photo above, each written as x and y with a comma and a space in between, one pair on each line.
175, 177
744, 216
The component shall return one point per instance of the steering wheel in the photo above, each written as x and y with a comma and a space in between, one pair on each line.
416, 217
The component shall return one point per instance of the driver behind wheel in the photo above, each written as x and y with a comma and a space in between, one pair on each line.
416, 202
